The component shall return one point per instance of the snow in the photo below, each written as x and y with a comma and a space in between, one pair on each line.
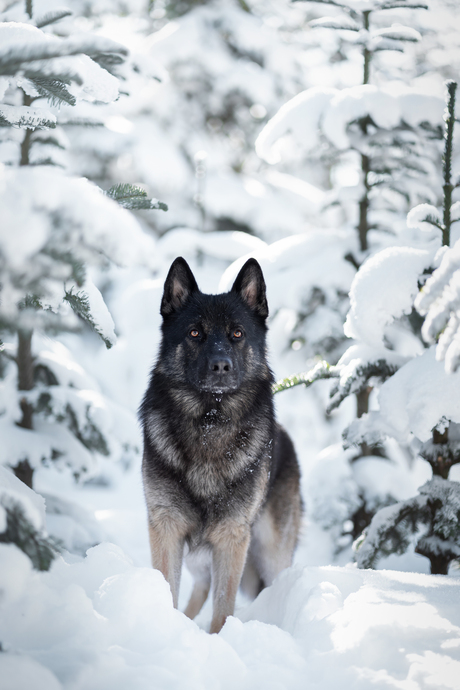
99, 311
372, 309
354, 103
31, 503
423, 216
326, 624
30, 196
299, 258
342, 22
222, 245
299, 118
439, 302
418, 107
418, 396
27, 45
398, 32
32, 118
97, 83
23, 672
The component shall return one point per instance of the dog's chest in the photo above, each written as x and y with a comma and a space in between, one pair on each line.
211, 454
216, 456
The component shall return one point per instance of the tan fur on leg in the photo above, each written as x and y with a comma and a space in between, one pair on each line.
230, 545
167, 539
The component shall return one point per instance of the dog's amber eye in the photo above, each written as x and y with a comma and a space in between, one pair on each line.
194, 333
237, 333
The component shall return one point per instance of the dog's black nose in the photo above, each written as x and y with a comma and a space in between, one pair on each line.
220, 365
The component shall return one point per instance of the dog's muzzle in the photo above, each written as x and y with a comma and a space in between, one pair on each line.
221, 375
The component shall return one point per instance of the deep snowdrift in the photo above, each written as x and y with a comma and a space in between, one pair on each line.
105, 623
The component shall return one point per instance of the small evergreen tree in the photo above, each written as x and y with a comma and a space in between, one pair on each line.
391, 146
385, 293
437, 507
59, 227
391, 140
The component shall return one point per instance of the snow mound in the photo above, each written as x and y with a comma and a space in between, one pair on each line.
101, 622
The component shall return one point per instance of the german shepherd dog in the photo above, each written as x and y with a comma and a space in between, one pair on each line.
221, 477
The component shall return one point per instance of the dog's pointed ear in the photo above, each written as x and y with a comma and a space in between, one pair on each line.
180, 283
250, 285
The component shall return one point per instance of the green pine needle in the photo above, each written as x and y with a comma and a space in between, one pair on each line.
53, 90
52, 17
80, 304
134, 198
19, 530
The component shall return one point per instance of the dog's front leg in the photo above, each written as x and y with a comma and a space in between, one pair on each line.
229, 548
167, 547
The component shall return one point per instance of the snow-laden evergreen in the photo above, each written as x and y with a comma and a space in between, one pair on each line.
54, 228
418, 402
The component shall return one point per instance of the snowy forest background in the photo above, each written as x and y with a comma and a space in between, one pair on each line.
322, 139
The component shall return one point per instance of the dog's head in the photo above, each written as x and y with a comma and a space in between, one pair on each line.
214, 343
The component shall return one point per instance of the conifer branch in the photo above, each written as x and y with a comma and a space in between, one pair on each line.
401, 4
323, 370
80, 304
19, 530
390, 531
134, 198
14, 57
53, 90
358, 380
52, 17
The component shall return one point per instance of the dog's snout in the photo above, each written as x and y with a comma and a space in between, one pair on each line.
220, 365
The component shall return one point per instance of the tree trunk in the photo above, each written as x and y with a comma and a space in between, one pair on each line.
442, 464
25, 364
439, 565
363, 223
362, 407
24, 472
366, 52
448, 187
27, 141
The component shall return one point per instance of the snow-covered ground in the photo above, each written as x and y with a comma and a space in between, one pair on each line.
105, 620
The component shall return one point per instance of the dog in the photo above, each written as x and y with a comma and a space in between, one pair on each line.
221, 477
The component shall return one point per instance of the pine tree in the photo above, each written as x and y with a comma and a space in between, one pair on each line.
51, 236
394, 142
437, 507
391, 150
219, 98
392, 139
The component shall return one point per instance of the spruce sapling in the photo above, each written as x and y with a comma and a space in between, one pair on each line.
436, 510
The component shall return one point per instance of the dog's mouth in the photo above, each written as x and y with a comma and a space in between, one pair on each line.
219, 385
217, 389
